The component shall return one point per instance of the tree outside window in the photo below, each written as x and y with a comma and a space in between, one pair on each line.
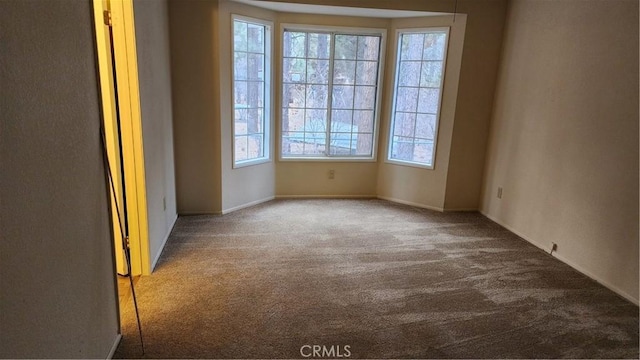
330, 83
418, 90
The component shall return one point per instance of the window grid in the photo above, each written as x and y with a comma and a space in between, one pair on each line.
418, 144
250, 74
337, 134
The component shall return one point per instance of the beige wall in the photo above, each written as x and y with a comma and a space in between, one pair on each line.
57, 273
154, 74
482, 44
250, 184
408, 184
564, 138
196, 105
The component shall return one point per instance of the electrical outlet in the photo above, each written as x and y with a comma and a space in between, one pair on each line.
332, 174
164, 203
499, 193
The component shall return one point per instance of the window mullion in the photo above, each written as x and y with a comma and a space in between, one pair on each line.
332, 42
415, 122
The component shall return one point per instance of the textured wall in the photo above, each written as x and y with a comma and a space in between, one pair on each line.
564, 138
154, 74
255, 183
58, 294
196, 105
409, 184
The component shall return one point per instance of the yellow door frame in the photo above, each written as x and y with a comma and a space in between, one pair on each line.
126, 71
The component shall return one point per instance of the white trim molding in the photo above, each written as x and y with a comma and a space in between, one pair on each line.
410, 203
114, 347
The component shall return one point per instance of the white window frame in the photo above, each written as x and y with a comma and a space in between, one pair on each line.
380, 82
398, 47
268, 92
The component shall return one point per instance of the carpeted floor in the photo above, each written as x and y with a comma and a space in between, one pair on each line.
373, 279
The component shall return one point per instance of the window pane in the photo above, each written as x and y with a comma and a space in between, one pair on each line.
431, 74
254, 121
366, 72
241, 148
425, 126
255, 38
254, 146
404, 124
368, 47
255, 67
294, 44
423, 152
342, 97
241, 95
250, 79
412, 46
364, 144
240, 124
319, 45
293, 70
364, 120
365, 98
255, 93
434, 46
314, 143
293, 120
344, 72
341, 116
346, 47
315, 121
239, 36
402, 148
305, 115
409, 71
420, 72
428, 101
407, 99
318, 71
240, 65
293, 95
317, 96
292, 143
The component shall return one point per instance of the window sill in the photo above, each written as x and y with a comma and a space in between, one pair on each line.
410, 164
327, 159
242, 164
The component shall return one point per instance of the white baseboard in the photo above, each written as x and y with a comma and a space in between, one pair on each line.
460, 210
569, 262
195, 213
114, 347
249, 204
326, 196
410, 203
164, 242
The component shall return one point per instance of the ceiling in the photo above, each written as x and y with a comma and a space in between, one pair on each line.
337, 10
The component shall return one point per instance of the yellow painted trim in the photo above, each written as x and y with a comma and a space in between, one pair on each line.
131, 124
103, 48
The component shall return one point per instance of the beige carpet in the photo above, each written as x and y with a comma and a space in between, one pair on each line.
386, 280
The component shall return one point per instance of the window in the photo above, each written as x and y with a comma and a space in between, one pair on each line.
418, 92
251, 95
330, 83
